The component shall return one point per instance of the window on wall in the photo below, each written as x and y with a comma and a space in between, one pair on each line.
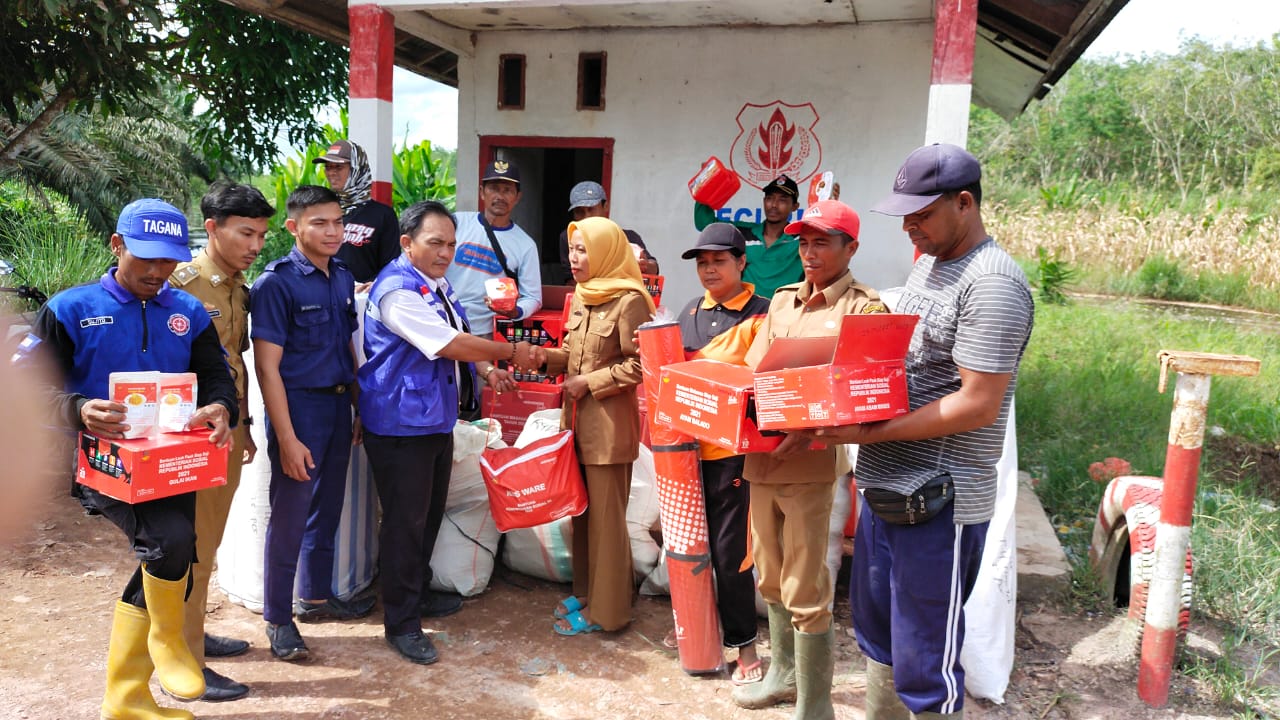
511, 82
591, 67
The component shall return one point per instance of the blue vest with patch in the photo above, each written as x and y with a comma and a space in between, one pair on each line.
402, 392
113, 331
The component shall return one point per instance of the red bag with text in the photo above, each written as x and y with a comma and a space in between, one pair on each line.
535, 484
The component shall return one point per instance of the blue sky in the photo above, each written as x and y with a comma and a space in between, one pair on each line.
428, 110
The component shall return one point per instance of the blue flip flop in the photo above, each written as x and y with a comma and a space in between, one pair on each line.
570, 604
577, 625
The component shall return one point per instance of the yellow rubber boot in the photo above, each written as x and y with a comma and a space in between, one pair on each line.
129, 669
177, 668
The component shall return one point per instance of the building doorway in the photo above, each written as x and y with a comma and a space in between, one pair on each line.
549, 168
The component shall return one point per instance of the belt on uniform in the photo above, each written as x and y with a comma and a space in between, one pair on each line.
330, 389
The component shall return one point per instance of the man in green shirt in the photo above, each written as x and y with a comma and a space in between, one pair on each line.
773, 257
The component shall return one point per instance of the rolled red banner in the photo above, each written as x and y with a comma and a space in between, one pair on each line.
682, 512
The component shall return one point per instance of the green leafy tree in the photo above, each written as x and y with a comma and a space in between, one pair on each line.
256, 77
100, 162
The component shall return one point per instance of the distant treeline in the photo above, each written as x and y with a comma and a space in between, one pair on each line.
1201, 123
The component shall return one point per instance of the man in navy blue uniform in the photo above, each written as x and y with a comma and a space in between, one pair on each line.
303, 309
132, 320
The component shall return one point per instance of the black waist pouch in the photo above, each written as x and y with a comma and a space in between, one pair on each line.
920, 506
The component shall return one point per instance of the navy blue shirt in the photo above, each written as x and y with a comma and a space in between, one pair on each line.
310, 315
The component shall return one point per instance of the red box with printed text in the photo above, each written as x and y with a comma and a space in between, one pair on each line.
713, 402
152, 467
513, 409
855, 377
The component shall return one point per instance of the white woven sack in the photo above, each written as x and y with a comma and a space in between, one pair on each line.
467, 544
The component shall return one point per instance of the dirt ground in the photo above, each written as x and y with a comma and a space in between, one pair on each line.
499, 657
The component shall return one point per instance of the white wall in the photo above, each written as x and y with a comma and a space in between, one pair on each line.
672, 96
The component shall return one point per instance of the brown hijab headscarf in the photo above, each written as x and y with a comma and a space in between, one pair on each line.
613, 266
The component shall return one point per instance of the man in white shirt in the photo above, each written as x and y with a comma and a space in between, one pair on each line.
418, 369
477, 259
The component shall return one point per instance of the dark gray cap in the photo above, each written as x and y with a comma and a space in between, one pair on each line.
718, 236
929, 173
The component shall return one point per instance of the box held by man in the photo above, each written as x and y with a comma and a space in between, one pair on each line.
152, 467
713, 402
856, 376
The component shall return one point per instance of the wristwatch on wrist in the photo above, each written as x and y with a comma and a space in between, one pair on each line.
487, 372
246, 420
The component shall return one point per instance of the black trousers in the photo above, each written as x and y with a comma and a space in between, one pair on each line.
412, 475
161, 532
728, 498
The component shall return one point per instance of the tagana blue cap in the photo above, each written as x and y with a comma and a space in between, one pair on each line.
929, 173
154, 230
586, 194
501, 170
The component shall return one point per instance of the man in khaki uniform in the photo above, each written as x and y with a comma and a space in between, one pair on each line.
792, 488
236, 218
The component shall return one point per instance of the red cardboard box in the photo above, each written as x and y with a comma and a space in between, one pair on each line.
152, 467
856, 377
513, 409
713, 402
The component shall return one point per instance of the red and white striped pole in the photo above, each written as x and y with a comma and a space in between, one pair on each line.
1173, 532
955, 32
373, 45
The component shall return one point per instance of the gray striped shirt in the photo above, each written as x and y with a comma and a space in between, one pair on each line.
975, 312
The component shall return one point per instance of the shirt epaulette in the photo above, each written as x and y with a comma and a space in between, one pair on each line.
184, 275
271, 266
793, 287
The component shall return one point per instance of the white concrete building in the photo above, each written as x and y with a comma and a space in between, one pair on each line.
637, 95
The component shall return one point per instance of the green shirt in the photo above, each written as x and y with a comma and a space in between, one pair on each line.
769, 267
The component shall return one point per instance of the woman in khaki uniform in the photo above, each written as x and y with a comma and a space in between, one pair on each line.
602, 365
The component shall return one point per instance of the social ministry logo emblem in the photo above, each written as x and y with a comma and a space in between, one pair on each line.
775, 139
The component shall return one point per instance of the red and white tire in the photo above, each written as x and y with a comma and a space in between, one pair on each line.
1128, 517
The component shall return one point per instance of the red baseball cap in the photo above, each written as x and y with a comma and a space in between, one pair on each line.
827, 215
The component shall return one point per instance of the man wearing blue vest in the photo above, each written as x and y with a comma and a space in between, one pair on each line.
419, 352
132, 320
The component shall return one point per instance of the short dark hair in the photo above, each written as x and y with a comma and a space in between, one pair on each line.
308, 196
227, 199
975, 190
412, 217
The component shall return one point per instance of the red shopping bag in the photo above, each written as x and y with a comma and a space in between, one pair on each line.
535, 484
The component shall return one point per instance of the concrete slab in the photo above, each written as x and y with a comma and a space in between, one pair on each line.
1043, 571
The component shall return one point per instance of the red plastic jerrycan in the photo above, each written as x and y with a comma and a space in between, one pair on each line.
714, 184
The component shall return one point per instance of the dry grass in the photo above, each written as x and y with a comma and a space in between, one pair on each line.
1224, 243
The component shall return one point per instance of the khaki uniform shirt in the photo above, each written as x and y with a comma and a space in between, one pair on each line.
800, 311
598, 345
227, 300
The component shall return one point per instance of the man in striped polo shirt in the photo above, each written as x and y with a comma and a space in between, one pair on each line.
929, 477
